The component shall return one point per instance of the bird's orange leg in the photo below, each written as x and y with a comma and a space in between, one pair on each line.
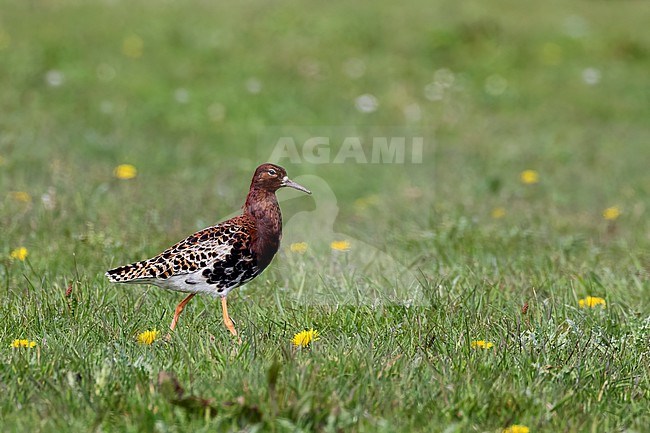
179, 310
226, 319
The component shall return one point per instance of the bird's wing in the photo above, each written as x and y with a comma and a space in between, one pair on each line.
199, 251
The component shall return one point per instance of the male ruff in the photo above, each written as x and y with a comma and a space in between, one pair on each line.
220, 258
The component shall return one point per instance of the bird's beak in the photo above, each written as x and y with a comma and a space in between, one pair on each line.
291, 184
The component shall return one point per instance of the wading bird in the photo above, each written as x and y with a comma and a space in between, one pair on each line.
220, 258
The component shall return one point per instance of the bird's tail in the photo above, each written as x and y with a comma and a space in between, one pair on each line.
137, 272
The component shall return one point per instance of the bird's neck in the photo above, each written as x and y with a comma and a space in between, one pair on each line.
263, 207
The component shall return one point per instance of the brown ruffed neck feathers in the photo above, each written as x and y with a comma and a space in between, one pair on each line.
262, 207
261, 203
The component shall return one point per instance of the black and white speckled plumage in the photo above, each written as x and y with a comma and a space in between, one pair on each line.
214, 260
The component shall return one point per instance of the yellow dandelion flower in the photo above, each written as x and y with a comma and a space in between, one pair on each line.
125, 171
304, 338
20, 196
23, 343
2, 161
148, 337
133, 46
340, 245
529, 177
298, 247
498, 212
612, 213
591, 302
517, 429
481, 344
19, 254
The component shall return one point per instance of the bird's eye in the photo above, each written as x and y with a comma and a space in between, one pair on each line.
272, 172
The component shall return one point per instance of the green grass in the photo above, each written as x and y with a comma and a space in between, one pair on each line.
379, 365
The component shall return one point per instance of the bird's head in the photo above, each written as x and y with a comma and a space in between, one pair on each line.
271, 177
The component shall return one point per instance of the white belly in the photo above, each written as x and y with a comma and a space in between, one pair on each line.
191, 283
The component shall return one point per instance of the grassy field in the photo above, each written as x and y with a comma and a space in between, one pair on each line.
196, 94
